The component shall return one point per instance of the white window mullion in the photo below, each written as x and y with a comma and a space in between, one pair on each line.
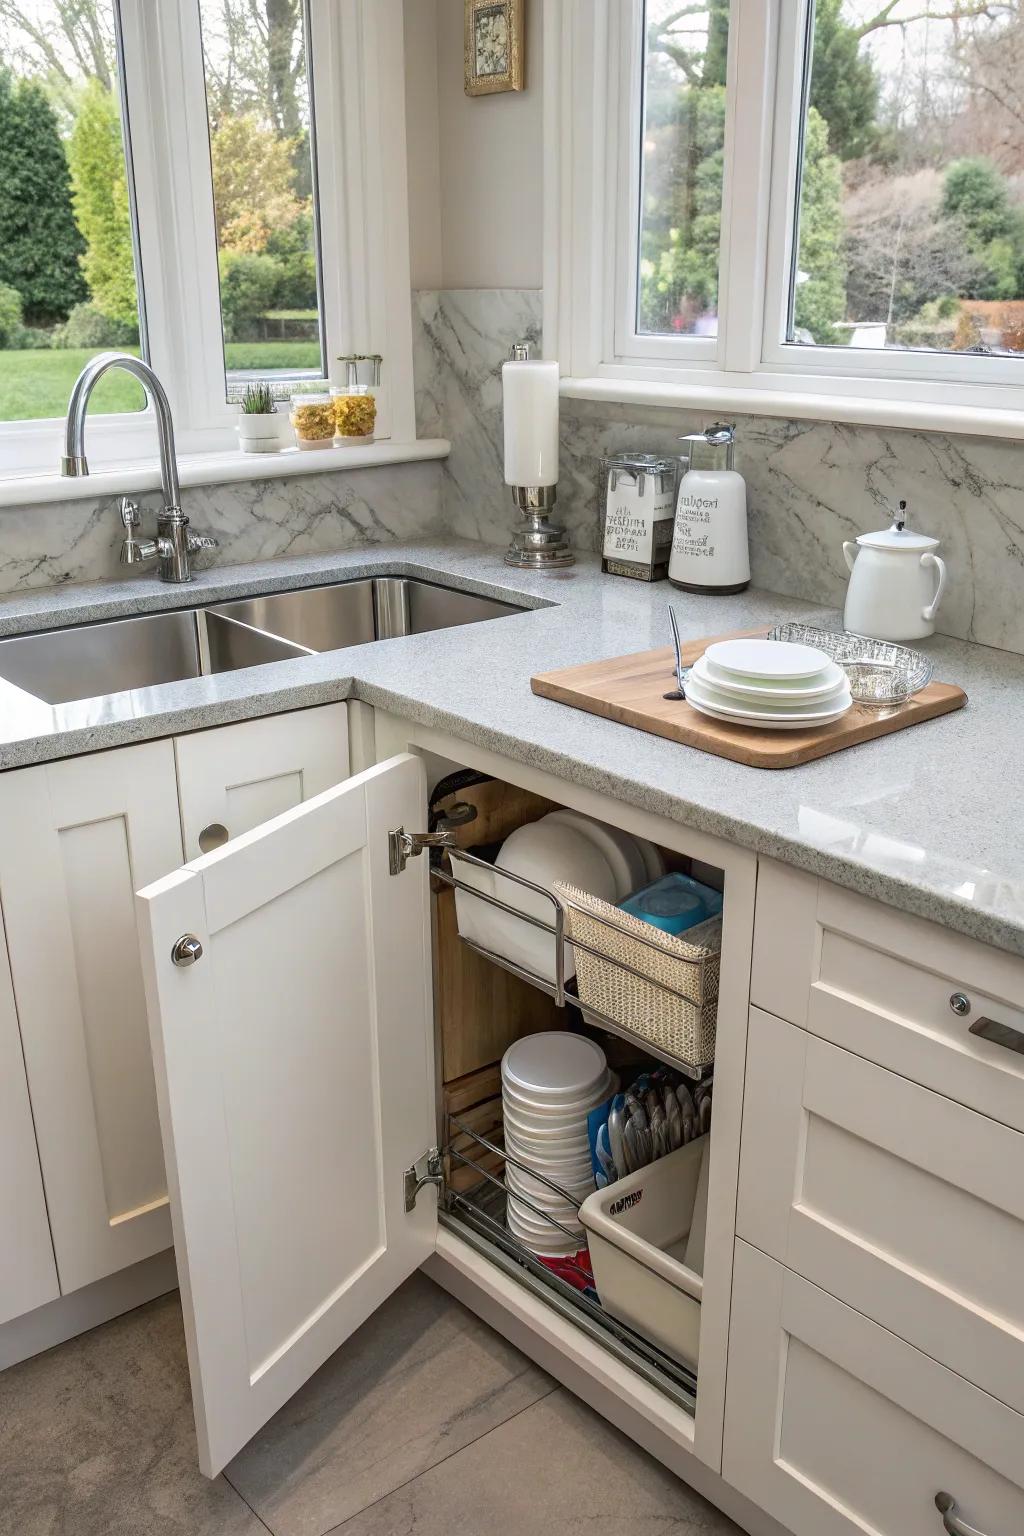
177, 228
753, 47
782, 175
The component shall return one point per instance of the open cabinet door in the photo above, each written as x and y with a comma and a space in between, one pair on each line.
294, 1070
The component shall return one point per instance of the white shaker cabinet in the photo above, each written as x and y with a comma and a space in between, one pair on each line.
294, 1065
838, 1428
28, 1274
234, 777
77, 839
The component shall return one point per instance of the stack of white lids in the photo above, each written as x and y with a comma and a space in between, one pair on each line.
769, 684
549, 1084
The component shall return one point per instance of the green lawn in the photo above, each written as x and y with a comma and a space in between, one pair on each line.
35, 385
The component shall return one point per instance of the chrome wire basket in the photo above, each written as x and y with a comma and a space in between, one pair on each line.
881, 673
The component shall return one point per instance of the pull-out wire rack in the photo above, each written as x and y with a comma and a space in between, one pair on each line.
558, 989
478, 1215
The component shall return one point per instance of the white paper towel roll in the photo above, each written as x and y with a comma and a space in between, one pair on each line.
530, 393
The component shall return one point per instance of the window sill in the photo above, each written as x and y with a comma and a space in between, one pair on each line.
773, 399
215, 469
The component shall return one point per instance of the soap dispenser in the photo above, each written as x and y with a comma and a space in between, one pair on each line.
709, 541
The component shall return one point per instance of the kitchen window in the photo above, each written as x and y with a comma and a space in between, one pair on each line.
797, 207
227, 178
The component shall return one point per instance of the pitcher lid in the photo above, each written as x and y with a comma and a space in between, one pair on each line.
898, 536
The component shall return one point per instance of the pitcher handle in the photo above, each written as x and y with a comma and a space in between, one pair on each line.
933, 607
850, 553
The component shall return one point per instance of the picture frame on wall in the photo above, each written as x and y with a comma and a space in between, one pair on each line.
494, 47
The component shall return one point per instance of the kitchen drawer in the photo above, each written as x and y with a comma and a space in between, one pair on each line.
837, 1428
881, 983
901, 1203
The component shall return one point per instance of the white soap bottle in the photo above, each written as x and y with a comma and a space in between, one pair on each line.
710, 552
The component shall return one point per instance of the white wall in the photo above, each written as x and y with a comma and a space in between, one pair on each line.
479, 158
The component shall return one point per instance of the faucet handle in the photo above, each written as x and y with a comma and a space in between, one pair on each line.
197, 541
131, 517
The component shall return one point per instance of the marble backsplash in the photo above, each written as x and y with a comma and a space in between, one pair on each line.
71, 541
810, 484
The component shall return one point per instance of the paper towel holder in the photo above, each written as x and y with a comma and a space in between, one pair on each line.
537, 544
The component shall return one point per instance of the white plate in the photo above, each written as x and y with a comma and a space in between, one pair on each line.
619, 848
818, 687
781, 660
766, 707
555, 1066
775, 723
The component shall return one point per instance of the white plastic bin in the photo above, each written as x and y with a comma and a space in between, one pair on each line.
646, 1237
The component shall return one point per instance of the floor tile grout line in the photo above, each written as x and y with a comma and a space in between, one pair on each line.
333, 1529
254, 1512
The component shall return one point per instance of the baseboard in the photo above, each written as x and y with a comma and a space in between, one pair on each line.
81, 1310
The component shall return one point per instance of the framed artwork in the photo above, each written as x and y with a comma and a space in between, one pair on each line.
494, 46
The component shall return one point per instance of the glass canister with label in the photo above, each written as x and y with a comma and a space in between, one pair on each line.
639, 502
710, 552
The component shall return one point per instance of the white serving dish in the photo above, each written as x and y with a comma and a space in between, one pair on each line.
638, 1248
798, 692
777, 660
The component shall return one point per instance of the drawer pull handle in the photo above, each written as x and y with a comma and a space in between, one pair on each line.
988, 1029
948, 1509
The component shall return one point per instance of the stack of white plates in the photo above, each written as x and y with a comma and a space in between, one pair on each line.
770, 684
549, 1084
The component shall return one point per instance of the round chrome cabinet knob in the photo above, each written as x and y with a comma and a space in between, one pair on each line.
960, 1004
186, 950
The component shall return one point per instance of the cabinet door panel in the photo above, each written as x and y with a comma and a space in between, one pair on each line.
237, 776
901, 1203
295, 1073
837, 1428
76, 840
28, 1274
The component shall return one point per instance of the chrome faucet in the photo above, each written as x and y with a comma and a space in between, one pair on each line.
175, 543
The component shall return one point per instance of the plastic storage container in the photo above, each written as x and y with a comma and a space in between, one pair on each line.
355, 414
674, 903
646, 1238
312, 416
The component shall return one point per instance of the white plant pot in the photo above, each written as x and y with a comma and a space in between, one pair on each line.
262, 434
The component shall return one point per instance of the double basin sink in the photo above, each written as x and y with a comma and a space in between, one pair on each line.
61, 666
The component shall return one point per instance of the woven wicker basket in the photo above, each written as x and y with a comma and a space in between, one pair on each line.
673, 1002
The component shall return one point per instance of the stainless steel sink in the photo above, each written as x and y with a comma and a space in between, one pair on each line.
355, 612
81, 663
89, 660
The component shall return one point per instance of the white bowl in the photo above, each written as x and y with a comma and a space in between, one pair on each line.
779, 660
554, 1066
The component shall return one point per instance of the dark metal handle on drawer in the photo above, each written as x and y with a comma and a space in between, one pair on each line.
988, 1029
948, 1509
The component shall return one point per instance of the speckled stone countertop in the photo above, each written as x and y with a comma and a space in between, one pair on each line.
929, 819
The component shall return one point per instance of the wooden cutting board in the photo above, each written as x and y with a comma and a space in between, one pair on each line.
631, 690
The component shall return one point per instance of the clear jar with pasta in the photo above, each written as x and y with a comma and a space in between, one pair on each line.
355, 414
312, 416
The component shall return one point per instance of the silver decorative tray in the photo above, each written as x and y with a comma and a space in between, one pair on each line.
881, 674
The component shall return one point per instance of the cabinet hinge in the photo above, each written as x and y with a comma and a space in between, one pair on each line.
427, 1169
403, 846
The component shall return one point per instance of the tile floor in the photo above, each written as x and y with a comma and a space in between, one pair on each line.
427, 1422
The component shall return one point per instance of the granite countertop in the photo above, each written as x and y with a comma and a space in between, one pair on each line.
927, 819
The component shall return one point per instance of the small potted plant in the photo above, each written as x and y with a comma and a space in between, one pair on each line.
259, 425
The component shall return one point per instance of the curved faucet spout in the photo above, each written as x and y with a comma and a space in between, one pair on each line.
74, 461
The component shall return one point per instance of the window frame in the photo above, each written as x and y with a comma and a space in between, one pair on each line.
357, 87
593, 93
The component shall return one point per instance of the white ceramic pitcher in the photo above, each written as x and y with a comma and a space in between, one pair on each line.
896, 583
